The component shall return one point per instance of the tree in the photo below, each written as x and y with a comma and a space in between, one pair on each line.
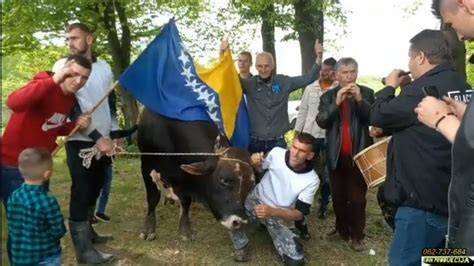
457, 48
120, 28
270, 14
308, 25
305, 20
470, 67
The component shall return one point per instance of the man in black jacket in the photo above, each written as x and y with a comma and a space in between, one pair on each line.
345, 112
419, 158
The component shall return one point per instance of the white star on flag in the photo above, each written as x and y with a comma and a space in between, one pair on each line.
213, 116
204, 96
183, 57
193, 84
187, 72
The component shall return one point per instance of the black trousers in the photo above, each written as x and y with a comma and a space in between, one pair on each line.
86, 182
349, 191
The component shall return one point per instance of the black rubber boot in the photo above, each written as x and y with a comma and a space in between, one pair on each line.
287, 261
98, 239
82, 240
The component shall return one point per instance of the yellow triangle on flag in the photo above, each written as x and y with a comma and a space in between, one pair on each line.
224, 79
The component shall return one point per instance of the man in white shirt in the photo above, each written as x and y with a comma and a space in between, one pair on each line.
283, 196
87, 182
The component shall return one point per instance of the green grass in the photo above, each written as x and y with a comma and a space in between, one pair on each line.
211, 243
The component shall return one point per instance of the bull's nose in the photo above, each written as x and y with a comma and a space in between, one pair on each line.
233, 222
236, 224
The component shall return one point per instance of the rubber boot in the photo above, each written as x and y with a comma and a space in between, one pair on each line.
82, 239
96, 238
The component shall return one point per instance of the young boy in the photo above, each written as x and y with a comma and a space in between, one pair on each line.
35, 222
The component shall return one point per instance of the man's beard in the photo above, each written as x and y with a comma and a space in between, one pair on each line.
80, 52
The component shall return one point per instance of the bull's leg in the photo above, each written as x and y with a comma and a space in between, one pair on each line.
184, 226
153, 197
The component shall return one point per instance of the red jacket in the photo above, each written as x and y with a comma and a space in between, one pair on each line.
40, 112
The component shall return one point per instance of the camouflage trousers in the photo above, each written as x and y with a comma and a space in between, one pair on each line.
285, 241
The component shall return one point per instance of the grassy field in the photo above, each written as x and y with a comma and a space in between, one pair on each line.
211, 245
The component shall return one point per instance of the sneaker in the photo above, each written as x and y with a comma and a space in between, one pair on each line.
94, 221
102, 217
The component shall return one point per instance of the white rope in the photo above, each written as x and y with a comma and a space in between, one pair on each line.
170, 153
88, 153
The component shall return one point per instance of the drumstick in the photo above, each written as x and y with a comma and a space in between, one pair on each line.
76, 128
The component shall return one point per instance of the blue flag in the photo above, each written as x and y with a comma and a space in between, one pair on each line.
164, 79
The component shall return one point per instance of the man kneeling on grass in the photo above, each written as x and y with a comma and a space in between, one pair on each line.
283, 196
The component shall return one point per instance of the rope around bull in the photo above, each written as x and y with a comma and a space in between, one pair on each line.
88, 153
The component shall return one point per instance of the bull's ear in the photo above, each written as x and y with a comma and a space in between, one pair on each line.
199, 168
221, 143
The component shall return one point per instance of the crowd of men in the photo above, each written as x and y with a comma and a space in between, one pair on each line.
429, 181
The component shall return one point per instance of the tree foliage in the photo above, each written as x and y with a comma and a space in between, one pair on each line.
302, 18
470, 67
121, 27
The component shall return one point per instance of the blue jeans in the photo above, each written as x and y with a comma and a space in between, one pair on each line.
11, 180
260, 145
105, 191
415, 230
51, 261
322, 170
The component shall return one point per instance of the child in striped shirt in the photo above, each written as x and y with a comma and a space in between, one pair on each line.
35, 222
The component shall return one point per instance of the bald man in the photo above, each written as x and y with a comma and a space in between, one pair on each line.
267, 100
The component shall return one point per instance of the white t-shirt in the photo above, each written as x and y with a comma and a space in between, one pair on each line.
99, 83
281, 187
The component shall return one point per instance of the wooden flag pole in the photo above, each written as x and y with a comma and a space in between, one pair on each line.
75, 129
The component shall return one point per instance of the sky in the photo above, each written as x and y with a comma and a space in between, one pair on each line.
378, 34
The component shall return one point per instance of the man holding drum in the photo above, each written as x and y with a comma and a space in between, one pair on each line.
419, 158
345, 113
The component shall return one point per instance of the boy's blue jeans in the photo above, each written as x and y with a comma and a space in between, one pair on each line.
51, 261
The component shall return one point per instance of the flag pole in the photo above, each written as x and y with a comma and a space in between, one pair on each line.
76, 128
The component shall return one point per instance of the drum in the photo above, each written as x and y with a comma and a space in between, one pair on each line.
372, 163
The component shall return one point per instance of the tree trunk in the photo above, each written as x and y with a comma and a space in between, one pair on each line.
458, 49
309, 24
120, 51
268, 32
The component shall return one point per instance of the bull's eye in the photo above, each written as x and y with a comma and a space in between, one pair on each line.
225, 182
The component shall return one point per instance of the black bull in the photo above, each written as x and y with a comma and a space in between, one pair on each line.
221, 183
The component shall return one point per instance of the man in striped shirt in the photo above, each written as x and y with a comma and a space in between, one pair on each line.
35, 222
